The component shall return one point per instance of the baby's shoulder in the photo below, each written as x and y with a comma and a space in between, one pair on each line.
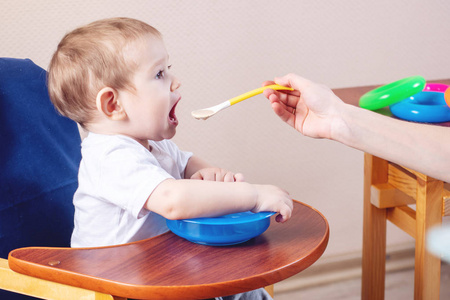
99, 146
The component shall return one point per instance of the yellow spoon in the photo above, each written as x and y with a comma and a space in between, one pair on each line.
203, 114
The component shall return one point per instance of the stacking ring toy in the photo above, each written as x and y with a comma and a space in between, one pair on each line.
435, 87
447, 96
428, 107
439, 87
392, 93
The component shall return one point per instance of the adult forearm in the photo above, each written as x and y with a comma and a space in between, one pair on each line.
421, 147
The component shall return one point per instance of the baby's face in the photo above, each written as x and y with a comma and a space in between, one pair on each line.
150, 108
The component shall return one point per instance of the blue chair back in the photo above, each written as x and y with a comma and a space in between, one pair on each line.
39, 159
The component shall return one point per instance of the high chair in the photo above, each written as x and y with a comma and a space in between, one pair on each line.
40, 154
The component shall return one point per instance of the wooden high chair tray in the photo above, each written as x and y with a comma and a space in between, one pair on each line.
169, 267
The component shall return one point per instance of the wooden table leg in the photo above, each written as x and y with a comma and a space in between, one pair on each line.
374, 232
428, 214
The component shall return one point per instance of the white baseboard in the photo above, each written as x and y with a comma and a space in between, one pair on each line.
343, 267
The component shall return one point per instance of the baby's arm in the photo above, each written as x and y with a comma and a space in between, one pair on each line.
198, 169
183, 199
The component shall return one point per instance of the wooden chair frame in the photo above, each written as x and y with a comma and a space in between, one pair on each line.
40, 288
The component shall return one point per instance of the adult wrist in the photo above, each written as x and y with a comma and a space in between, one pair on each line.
340, 129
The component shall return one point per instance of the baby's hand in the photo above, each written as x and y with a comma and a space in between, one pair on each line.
217, 174
272, 198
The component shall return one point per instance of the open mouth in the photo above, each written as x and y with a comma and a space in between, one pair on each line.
172, 116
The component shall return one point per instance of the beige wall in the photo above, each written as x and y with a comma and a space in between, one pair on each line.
220, 49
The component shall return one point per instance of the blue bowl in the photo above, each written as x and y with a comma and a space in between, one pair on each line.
224, 230
426, 107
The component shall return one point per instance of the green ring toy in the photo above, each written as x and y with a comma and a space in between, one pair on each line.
392, 93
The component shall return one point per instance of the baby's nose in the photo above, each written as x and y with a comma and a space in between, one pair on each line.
175, 84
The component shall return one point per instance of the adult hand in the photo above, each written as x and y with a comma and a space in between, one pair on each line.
311, 108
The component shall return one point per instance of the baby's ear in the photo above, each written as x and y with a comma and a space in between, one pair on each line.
108, 104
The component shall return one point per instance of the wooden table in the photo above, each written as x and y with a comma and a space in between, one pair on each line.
169, 267
388, 190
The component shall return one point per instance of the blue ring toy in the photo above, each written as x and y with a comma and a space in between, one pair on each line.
426, 107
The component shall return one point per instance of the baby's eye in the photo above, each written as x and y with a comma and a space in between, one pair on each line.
160, 74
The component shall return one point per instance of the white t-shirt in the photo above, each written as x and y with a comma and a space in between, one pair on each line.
116, 177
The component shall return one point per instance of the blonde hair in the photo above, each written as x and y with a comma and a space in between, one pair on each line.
90, 58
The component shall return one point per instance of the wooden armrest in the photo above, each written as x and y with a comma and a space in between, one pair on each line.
36, 287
